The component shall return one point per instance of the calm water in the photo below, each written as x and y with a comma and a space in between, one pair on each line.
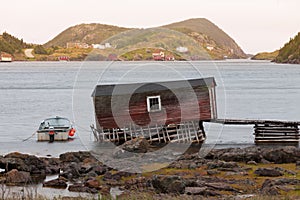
32, 91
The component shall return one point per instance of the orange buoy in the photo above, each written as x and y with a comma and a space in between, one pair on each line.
72, 132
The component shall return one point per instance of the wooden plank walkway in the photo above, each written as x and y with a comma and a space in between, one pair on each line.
269, 131
253, 122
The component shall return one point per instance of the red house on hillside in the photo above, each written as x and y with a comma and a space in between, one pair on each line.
6, 57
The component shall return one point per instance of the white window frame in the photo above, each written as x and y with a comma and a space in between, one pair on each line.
148, 103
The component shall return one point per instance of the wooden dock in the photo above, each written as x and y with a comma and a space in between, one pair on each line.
269, 131
265, 131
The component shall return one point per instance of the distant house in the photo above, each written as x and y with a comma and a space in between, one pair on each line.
182, 49
63, 58
6, 57
101, 46
210, 48
112, 57
98, 46
158, 55
78, 45
169, 58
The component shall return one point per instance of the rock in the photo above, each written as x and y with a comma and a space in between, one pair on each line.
288, 154
252, 162
59, 183
286, 171
75, 156
273, 187
116, 176
137, 145
222, 164
23, 162
100, 169
298, 164
204, 191
82, 188
120, 153
53, 165
220, 187
236, 154
168, 184
212, 172
70, 171
271, 172
92, 183
17, 177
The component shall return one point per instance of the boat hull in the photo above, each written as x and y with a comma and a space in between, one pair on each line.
60, 136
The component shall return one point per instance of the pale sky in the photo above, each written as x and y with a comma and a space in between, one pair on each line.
256, 25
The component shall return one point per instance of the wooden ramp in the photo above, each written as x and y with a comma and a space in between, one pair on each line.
269, 131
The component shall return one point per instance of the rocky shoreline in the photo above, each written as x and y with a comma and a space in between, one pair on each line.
223, 173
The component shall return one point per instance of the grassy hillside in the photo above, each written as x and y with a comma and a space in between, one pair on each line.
11, 44
208, 33
290, 53
87, 33
266, 55
199, 35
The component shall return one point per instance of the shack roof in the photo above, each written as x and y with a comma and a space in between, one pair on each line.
130, 88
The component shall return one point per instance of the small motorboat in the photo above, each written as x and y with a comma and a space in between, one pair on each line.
55, 129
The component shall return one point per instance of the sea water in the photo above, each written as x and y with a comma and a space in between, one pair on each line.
33, 91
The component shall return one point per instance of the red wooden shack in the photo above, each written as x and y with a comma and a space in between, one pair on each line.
161, 111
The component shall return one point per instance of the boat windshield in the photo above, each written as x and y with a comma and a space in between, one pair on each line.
55, 122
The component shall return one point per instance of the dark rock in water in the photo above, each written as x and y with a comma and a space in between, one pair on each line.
59, 183
168, 184
75, 156
120, 153
82, 188
53, 165
16, 177
129, 148
137, 145
271, 172
289, 154
71, 171
23, 162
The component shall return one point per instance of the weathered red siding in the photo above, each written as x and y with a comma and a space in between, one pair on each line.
174, 108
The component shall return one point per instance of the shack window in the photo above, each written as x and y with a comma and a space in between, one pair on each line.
153, 103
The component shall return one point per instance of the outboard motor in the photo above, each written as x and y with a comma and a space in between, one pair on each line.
51, 134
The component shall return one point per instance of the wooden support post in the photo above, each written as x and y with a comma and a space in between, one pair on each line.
158, 134
150, 135
196, 131
130, 129
125, 134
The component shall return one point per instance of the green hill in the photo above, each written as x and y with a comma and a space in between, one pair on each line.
266, 55
207, 36
290, 53
85, 33
11, 44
